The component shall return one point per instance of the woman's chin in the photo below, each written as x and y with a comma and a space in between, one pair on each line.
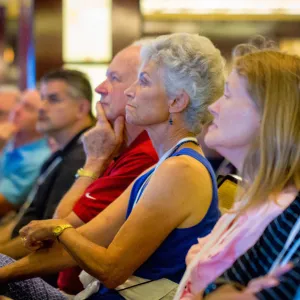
210, 140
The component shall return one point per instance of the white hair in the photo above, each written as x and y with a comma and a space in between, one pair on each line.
142, 42
192, 63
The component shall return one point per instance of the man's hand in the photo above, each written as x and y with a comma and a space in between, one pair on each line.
103, 140
37, 234
7, 130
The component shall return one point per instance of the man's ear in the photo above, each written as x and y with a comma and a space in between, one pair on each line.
179, 103
84, 108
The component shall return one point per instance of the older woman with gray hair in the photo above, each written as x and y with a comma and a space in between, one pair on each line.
136, 247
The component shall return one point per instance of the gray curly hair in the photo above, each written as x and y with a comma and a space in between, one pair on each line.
255, 43
192, 63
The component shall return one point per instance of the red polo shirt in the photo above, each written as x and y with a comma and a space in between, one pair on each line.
138, 157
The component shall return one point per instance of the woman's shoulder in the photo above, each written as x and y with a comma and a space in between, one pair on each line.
183, 164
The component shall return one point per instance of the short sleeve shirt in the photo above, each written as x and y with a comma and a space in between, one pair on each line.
138, 157
20, 167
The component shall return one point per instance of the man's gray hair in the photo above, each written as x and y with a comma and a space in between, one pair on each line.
192, 63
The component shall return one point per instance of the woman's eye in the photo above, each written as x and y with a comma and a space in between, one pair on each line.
143, 82
226, 96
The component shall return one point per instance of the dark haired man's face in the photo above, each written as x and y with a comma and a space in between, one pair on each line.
59, 111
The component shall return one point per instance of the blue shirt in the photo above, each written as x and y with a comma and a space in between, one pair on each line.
20, 167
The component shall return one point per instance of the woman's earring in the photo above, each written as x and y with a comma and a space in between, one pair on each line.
170, 120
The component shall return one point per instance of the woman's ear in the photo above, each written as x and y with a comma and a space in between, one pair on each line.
179, 103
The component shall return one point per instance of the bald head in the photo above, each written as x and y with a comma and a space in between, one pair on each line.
8, 100
127, 60
31, 97
121, 73
25, 113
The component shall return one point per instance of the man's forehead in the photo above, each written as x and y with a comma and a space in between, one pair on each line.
55, 85
125, 60
31, 97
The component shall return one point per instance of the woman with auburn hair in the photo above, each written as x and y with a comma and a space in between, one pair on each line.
257, 127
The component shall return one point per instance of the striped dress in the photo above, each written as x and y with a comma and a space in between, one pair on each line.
258, 260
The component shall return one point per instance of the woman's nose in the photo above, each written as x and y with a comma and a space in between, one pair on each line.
130, 92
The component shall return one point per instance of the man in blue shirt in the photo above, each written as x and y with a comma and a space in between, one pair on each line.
23, 152
8, 99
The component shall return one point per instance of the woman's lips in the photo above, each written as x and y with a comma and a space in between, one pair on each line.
212, 127
129, 105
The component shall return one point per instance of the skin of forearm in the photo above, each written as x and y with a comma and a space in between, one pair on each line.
66, 205
40, 263
14, 248
92, 258
6, 231
68, 201
5, 206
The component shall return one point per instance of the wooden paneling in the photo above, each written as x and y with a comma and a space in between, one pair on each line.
126, 23
2, 29
48, 35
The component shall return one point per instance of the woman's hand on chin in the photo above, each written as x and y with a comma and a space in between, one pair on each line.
39, 234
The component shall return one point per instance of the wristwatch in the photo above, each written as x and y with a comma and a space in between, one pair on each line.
83, 173
58, 230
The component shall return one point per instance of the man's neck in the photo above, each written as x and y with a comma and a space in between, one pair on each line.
23, 138
64, 136
131, 133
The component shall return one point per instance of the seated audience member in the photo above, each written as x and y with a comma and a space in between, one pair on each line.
90, 195
64, 115
8, 99
275, 256
212, 156
147, 231
24, 150
257, 131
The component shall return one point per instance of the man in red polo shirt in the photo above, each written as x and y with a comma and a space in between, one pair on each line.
134, 156
100, 182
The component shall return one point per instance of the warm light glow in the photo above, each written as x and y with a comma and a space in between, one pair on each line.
220, 6
87, 31
291, 46
96, 74
8, 55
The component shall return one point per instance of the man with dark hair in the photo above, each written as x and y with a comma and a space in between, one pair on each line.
64, 115
78, 84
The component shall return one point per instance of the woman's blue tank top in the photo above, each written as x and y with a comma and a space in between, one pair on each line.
168, 261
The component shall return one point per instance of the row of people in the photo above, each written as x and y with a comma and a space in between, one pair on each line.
148, 229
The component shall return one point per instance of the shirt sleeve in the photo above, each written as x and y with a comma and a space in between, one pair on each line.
107, 188
16, 186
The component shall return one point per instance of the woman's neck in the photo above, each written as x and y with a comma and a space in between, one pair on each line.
164, 138
235, 156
